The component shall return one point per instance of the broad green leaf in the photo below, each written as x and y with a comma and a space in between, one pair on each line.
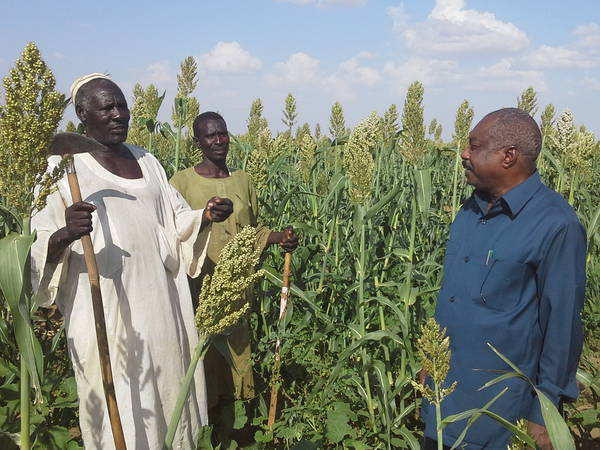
356, 445
374, 336
472, 415
239, 413
263, 436
511, 427
381, 203
14, 252
337, 427
590, 417
423, 189
305, 445
337, 183
408, 437
204, 438
55, 437
558, 431
508, 361
591, 229
588, 380
503, 377
276, 278
5, 337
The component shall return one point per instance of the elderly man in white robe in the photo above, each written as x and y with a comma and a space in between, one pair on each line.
146, 239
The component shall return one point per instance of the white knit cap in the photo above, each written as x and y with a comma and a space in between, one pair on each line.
83, 80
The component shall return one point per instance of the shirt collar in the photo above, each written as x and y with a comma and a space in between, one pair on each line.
514, 200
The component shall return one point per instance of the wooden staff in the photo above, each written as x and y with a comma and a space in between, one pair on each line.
84, 145
285, 288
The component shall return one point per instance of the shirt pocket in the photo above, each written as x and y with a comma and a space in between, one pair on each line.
499, 284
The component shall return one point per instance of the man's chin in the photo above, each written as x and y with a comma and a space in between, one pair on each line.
115, 139
469, 179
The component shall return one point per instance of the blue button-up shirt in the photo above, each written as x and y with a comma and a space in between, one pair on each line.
514, 276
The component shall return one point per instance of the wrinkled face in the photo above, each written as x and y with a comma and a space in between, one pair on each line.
482, 158
106, 116
213, 138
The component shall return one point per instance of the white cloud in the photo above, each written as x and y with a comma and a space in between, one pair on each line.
427, 70
358, 74
158, 73
589, 37
399, 17
328, 3
229, 57
350, 76
503, 76
546, 57
450, 28
299, 68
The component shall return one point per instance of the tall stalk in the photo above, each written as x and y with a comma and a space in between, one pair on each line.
455, 183
25, 400
186, 384
360, 272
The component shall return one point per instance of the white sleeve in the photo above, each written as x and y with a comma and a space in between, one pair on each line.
46, 277
193, 243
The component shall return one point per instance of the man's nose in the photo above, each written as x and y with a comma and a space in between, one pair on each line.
465, 153
120, 113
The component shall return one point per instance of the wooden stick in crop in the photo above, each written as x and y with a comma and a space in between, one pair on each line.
282, 309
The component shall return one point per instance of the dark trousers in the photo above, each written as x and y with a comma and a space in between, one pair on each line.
430, 444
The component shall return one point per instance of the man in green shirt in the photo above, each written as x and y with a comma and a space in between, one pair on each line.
197, 185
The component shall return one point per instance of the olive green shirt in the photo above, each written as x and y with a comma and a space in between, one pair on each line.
197, 190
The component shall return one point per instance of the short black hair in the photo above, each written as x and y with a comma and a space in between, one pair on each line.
208, 115
83, 94
516, 127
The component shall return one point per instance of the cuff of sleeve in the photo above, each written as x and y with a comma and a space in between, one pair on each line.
195, 252
46, 277
535, 412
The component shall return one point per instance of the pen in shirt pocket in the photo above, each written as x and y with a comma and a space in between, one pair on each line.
490, 256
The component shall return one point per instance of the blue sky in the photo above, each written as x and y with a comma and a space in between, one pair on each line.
363, 53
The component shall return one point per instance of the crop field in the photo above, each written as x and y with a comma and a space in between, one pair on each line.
372, 205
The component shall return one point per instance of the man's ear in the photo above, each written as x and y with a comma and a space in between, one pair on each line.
81, 113
511, 156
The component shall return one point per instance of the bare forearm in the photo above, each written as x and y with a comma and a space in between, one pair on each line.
57, 244
275, 237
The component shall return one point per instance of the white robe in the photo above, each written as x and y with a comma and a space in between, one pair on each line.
146, 238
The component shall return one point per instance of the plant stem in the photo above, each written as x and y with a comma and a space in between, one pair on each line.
438, 418
186, 383
572, 189
24, 405
177, 147
24, 373
360, 211
455, 184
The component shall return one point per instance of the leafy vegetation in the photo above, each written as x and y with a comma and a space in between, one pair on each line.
372, 205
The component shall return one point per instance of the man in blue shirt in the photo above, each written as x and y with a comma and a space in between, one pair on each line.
514, 276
